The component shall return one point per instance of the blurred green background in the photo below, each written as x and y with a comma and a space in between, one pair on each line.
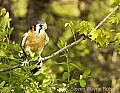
104, 63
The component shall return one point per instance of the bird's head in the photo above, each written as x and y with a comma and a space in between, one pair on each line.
39, 27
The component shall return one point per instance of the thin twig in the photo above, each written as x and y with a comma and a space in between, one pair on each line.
8, 69
68, 46
61, 50
107, 16
73, 33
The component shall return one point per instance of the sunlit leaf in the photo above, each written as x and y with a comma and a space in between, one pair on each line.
3, 65
76, 66
82, 83
10, 30
61, 44
35, 58
117, 37
94, 34
113, 19
61, 63
73, 81
2, 84
65, 75
2, 54
86, 73
3, 11
100, 40
84, 27
66, 24
11, 57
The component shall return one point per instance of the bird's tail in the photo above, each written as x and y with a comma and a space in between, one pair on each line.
39, 65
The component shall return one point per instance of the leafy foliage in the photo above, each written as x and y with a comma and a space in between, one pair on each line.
102, 37
84, 27
114, 19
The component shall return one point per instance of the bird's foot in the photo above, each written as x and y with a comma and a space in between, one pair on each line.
40, 59
25, 63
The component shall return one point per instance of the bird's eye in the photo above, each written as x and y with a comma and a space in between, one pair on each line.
40, 25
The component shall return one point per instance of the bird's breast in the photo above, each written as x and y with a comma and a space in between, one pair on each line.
36, 42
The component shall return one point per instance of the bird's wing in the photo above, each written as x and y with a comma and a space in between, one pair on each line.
46, 40
23, 42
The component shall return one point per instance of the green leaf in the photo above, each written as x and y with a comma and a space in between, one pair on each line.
61, 63
8, 89
94, 34
2, 84
82, 83
14, 47
21, 75
3, 11
66, 24
84, 27
11, 57
10, 30
117, 40
61, 43
3, 65
5, 89
2, 54
117, 36
2, 43
65, 75
100, 40
75, 66
2, 35
13, 63
86, 73
73, 81
113, 19
6, 21
35, 58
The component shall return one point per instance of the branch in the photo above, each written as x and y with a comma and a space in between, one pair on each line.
8, 69
68, 46
61, 50
107, 16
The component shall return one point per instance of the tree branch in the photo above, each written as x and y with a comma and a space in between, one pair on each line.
8, 69
61, 50
68, 46
107, 16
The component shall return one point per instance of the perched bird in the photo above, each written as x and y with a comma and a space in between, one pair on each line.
34, 41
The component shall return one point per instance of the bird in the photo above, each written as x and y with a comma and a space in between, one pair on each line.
34, 41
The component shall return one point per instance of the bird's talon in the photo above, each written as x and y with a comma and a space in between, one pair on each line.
25, 63
40, 59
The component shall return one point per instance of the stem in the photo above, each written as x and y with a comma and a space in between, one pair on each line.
73, 33
68, 69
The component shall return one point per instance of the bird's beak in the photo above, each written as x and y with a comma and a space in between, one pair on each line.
45, 26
